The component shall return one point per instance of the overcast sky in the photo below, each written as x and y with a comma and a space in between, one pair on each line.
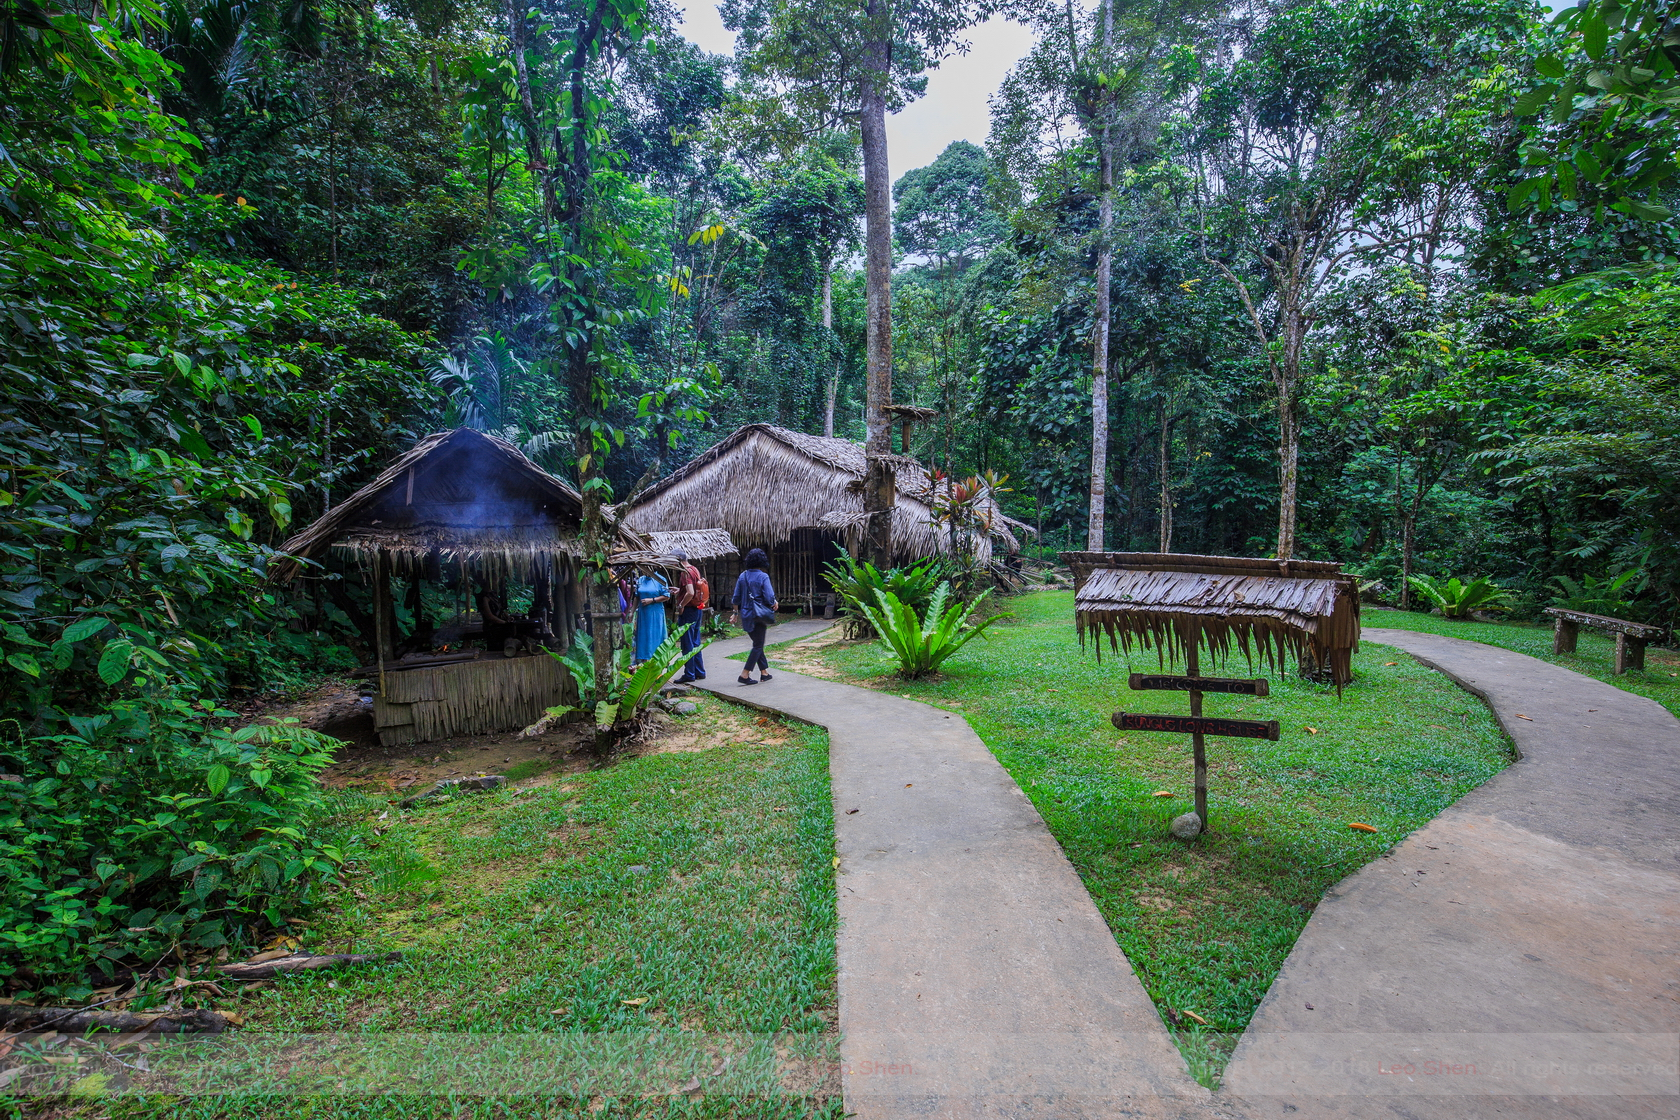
955, 107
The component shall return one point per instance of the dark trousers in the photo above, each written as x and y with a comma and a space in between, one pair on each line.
756, 659
689, 622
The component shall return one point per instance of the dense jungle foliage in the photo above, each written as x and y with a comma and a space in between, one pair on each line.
249, 250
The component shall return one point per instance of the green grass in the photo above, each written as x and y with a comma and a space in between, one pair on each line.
1594, 656
1206, 924
699, 884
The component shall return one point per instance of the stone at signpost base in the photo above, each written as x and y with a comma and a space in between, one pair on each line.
1187, 827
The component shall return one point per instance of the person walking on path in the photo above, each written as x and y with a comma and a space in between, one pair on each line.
755, 610
651, 595
692, 594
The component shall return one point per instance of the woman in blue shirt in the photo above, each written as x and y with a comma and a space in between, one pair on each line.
651, 593
755, 610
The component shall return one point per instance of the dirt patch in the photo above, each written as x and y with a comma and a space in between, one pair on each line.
546, 759
335, 708
397, 769
805, 655
717, 723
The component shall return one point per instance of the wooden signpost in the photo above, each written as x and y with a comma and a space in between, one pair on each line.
1195, 724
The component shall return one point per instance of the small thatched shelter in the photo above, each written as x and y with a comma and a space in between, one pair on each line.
1272, 609
800, 498
709, 550
487, 544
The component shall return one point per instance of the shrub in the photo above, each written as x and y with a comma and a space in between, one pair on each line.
1594, 595
1457, 599
143, 832
858, 584
635, 687
921, 646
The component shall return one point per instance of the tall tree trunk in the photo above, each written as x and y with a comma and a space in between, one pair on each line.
1166, 527
1286, 377
576, 175
1099, 334
879, 493
832, 389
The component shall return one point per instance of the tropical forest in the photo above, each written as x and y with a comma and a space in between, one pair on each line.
1386, 290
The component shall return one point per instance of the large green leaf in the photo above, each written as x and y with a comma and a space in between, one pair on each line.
113, 663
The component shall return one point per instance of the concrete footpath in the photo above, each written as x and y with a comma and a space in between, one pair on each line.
1519, 956
976, 977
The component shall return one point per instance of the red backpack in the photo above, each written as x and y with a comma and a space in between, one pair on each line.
702, 589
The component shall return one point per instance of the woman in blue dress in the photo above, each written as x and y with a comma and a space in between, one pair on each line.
651, 594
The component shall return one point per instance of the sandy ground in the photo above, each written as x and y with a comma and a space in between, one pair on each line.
338, 709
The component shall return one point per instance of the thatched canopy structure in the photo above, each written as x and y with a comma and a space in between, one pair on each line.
701, 545
1269, 608
455, 496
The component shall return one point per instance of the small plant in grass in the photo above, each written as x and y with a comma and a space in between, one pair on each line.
921, 646
1457, 598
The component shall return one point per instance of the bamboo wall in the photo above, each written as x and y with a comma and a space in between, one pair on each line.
472, 698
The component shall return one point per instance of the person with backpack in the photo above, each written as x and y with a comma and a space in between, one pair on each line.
693, 596
755, 610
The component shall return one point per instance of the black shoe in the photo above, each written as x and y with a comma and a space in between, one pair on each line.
745, 680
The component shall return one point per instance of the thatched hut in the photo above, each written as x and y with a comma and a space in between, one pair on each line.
800, 498
1273, 609
484, 547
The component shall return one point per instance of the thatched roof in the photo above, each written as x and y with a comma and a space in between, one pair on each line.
699, 544
1270, 608
762, 482
456, 495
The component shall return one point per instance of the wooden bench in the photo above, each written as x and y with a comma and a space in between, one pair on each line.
1630, 636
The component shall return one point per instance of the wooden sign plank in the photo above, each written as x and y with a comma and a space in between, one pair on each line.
1198, 725
1159, 683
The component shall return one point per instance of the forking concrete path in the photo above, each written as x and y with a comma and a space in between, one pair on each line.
976, 977
1519, 955
1516, 957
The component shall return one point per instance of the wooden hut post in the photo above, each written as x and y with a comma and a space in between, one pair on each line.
381, 616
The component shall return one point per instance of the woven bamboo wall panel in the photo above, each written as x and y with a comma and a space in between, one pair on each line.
474, 698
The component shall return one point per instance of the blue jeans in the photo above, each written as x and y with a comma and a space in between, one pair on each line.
689, 623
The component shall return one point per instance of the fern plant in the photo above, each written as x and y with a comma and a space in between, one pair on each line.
1457, 599
1594, 595
634, 688
922, 644
857, 584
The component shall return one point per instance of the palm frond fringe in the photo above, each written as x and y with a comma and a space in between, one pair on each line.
1270, 610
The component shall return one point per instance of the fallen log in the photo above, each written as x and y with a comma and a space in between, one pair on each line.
300, 962
70, 1020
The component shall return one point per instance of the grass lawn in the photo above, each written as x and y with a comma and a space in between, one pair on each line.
1206, 924
1594, 656
687, 892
